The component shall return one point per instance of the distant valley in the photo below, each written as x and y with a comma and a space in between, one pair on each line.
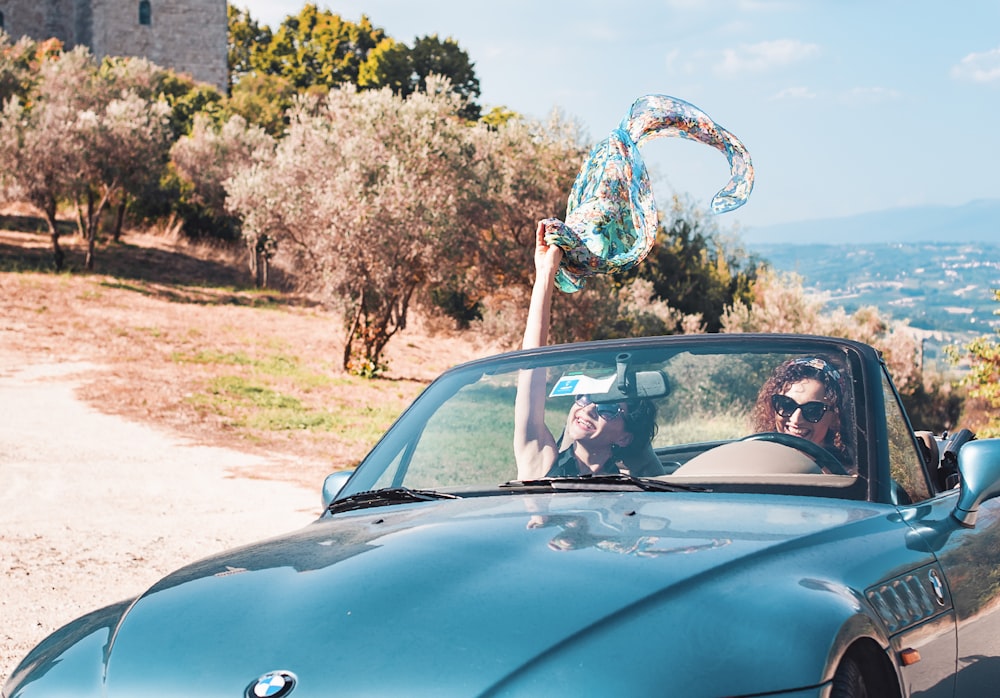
939, 287
932, 266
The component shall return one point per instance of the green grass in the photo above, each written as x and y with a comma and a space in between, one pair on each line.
699, 428
469, 441
250, 404
212, 357
264, 397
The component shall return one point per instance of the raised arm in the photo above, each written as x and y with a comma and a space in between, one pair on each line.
535, 449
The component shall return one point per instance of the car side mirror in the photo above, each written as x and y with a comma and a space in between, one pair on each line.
333, 484
979, 467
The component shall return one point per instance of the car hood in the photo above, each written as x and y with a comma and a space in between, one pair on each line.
469, 595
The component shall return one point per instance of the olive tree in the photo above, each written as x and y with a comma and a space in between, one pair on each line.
43, 149
18, 66
209, 156
528, 168
983, 379
126, 140
369, 199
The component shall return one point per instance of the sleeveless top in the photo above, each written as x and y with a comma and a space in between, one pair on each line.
566, 466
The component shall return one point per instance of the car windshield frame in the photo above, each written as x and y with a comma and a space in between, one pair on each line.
388, 463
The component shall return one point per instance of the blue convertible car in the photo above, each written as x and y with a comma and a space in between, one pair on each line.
714, 515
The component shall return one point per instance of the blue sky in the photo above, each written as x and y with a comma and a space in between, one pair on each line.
846, 106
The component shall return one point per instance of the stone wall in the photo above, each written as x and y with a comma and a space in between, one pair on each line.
188, 36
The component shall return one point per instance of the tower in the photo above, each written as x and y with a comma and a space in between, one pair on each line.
188, 36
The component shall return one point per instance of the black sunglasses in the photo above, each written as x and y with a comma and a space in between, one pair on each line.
605, 410
786, 406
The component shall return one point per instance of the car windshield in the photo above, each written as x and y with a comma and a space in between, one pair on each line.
729, 415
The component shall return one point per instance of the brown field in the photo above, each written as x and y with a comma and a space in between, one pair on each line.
186, 343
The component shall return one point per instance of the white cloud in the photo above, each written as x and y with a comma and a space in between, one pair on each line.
763, 56
979, 67
871, 95
795, 93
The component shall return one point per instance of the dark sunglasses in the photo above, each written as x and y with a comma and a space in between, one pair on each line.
605, 410
786, 406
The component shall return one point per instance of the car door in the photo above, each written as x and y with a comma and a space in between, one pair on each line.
969, 559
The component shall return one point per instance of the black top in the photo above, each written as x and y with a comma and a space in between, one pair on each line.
566, 466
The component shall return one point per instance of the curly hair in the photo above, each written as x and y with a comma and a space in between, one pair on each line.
640, 422
762, 418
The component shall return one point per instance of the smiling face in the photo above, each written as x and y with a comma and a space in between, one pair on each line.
805, 391
586, 426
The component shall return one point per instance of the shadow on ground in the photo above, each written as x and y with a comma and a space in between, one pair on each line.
176, 272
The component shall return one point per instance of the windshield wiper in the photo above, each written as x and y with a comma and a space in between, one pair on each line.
616, 482
384, 497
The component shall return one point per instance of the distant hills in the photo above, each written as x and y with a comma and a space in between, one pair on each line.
976, 221
938, 287
943, 289
932, 265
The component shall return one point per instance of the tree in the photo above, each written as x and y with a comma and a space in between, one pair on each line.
151, 189
127, 140
212, 154
532, 165
317, 48
42, 144
187, 98
694, 269
390, 65
245, 39
529, 167
262, 100
19, 64
138, 78
406, 70
432, 56
983, 379
387, 220
498, 116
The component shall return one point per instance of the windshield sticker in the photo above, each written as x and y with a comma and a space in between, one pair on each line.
579, 384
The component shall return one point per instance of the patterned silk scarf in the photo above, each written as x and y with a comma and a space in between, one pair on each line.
611, 217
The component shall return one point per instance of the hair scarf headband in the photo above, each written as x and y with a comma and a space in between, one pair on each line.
611, 217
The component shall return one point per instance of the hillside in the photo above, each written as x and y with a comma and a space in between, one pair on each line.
934, 266
939, 287
976, 221
186, 344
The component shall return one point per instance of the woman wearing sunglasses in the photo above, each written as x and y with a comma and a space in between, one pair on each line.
804, 398
599, 437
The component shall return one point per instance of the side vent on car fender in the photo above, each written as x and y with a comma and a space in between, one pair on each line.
910, 599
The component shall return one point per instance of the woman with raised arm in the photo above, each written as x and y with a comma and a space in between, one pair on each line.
599, 436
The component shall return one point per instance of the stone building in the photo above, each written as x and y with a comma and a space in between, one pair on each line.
188, 36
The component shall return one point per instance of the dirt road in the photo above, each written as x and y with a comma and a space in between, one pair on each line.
95, 508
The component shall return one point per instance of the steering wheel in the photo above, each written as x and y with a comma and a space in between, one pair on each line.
824, 459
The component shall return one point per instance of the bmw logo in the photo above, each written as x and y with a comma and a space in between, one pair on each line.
937, 585
273, 684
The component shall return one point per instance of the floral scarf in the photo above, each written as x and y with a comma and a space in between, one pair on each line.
611, 217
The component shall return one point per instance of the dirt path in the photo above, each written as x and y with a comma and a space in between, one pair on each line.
95, 508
